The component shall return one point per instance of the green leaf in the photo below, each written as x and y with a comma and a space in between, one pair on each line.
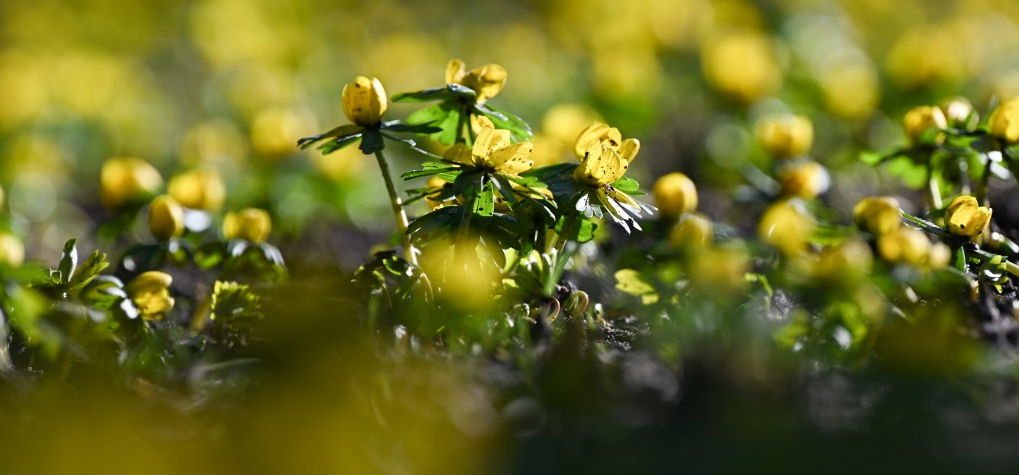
429, 169
339, 133
88, 270
68, 261
627, 185
484, 202
445, 93
504, 120
396, 126
332, 146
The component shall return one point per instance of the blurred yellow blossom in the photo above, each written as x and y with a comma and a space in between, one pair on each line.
212, 142
166, 218
1004, 121
904, 245
198, 189
693, 230
877, 214
126, 179
805, 179
787, 226
675, 194
274, 130
150, 292
785, 135
249, 224
487, 81
12, 251
742, 65
925, 123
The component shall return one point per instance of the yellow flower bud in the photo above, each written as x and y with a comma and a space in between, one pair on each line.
958, 112
691, 231
904, 245
877, 214
127, 179
805, 179
166, 218
939, 256
742, 65
849, 259
198, 189
150, 292
785, 135
675, 194
787, 226
12, 251
250, 224
965, 217
1004, 121
924, 123
487, 81
364, 101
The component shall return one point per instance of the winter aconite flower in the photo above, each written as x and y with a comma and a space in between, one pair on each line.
675, 194
364, 101
965, 217
1004, 121
493, 150
924, 124
150, 292
959, 112
12, 251
487, 81
805, 179
787, 226
604, 155
904, 245
877, 214
250, 224
691, 231
166, 218
198, 189
126, 179
785, 135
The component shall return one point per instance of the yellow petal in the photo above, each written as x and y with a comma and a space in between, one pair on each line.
596, 132
600, 168
487, 81
459, 153
513, 159
364, 101
455, 71
628, 150
489, 140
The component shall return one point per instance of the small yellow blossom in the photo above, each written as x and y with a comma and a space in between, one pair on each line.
12, 251
851, 258
675, 194
691, 231
785, 135
877, 214
493, 150
166, 218
365, 101
742, 65
920, 122
804, 179
1004, 121
249, 224
126, 179
904, 245
965, 217
787, 226
604, 156
198, 189
487, 81
434, 185
958, 112
150, 292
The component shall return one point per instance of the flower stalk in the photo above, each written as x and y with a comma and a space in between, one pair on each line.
398, 211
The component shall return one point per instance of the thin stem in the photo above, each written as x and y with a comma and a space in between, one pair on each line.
568, 229
398, 212
933, 190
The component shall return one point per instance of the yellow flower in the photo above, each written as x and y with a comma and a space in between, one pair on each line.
742, 65
604, 156
127, 179
958, 112
692, 230
434, 185
805, 179
364, 101
877, 214
150, 292
719, 270
250, 224
1004, 121
850, 258
785, 135
965, 217
12, 251
493, 150
198, 189
166, 218
938, 256
904, 245
487, 81
675, 194
273, 131
787, 226
923, 121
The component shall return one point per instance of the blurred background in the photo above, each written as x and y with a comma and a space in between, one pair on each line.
231, 84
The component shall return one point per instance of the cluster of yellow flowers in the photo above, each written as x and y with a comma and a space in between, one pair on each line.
897, 243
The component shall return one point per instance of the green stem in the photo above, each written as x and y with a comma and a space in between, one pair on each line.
933, 190
983, 255
398, 212
924, 224
568, 229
